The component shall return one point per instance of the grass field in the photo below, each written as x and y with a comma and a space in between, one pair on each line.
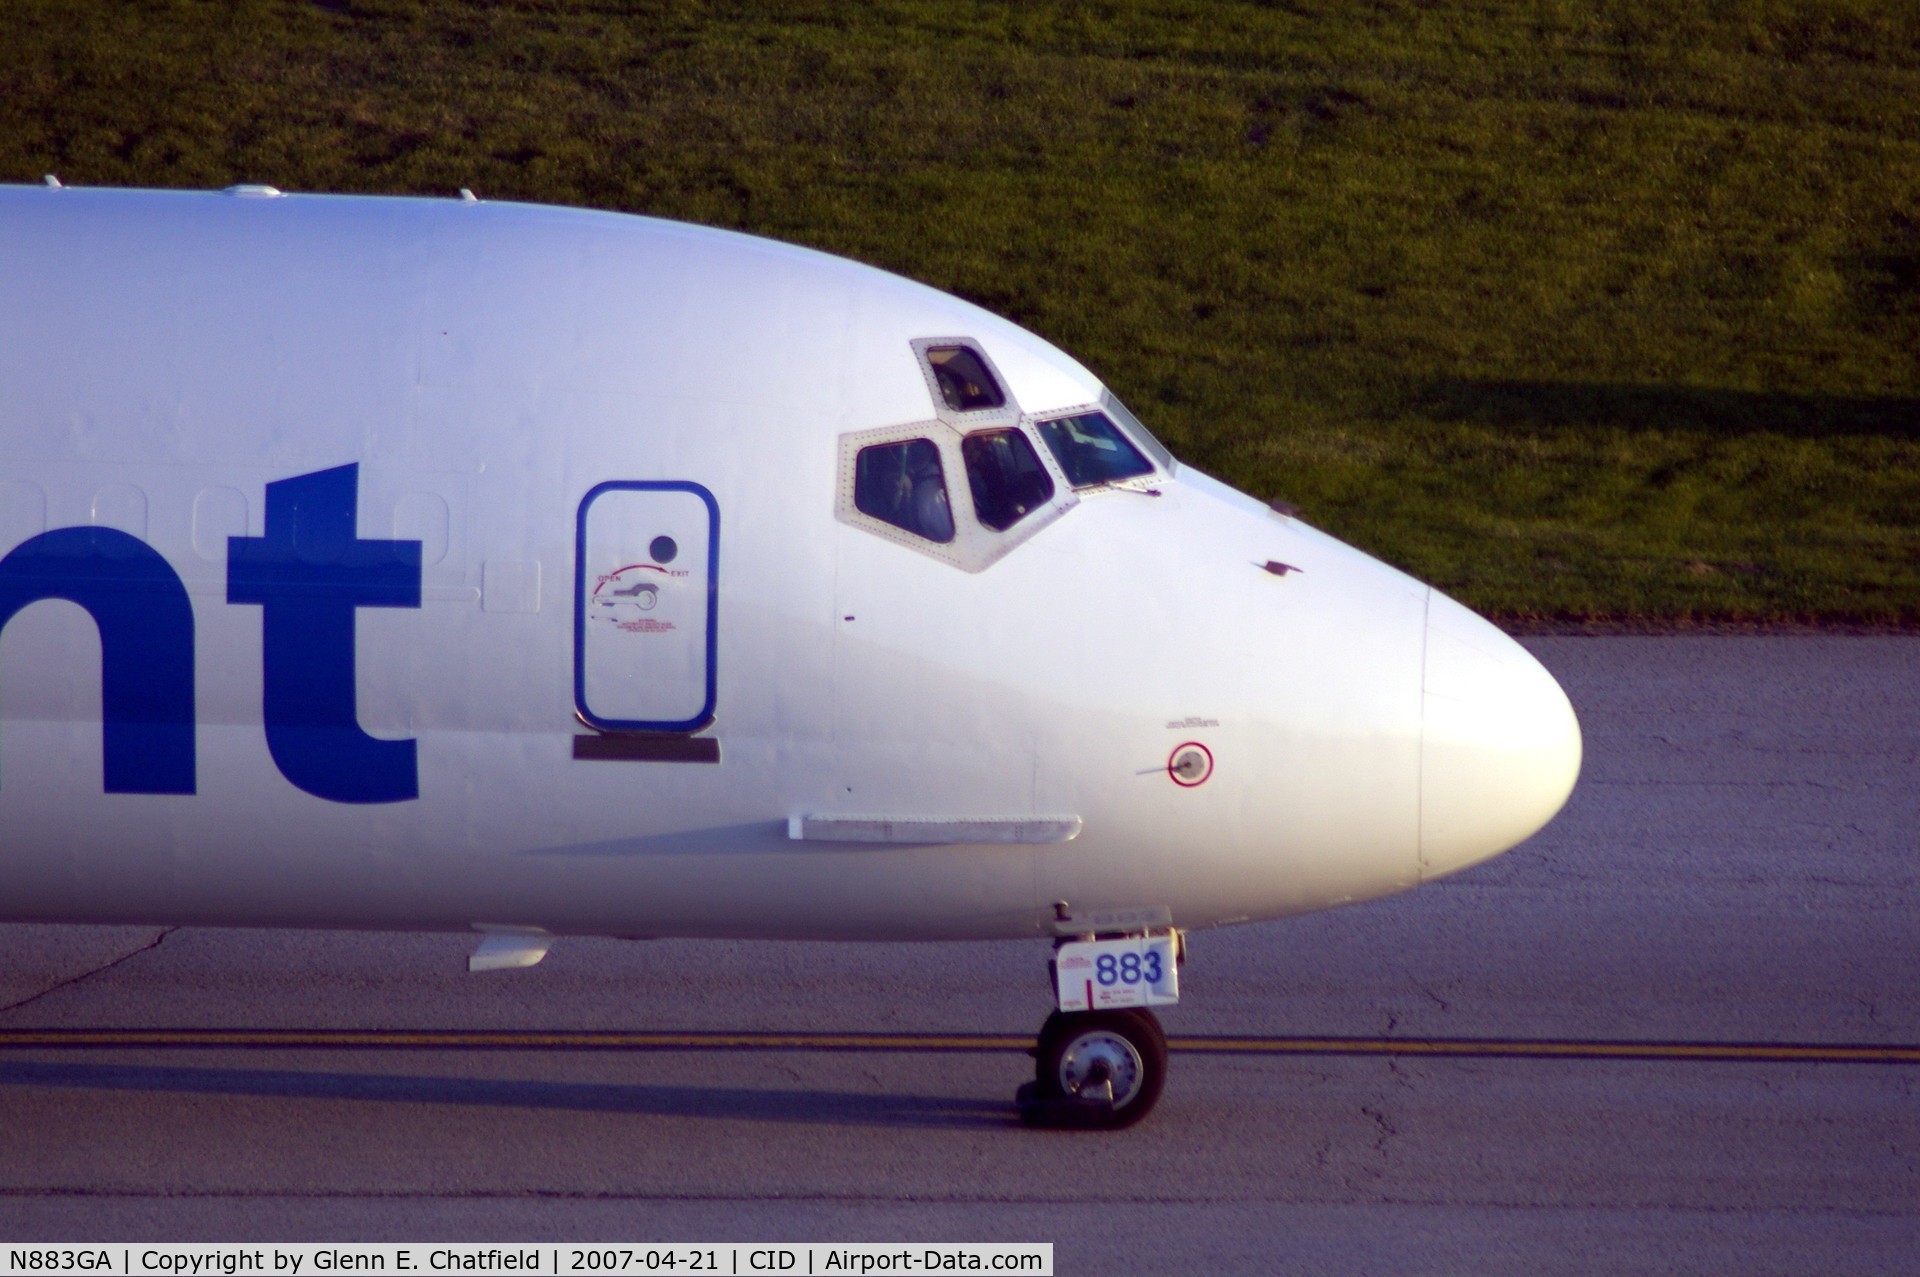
1579, 309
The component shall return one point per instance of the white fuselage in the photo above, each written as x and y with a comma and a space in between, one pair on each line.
164, 357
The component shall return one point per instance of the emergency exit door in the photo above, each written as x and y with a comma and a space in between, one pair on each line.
646, 604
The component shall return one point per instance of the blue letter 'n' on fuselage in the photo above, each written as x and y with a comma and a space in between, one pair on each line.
145, 621
308, 574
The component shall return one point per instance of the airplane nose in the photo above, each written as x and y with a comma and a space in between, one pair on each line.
1499, 746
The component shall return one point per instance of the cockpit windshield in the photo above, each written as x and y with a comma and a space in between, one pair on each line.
1138, 432
1092, 450
902, 484
965, 384
1006, 477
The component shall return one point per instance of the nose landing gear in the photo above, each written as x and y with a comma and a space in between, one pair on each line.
1098, 1070
1102, 1056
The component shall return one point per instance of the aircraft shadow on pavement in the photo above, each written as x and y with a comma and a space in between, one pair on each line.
827, 1108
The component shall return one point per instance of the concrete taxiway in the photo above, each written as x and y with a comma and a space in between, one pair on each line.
1739, 869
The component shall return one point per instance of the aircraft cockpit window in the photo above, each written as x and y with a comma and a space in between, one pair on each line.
965, 384
1006, 477
1092, 451
903, 484
1138, 432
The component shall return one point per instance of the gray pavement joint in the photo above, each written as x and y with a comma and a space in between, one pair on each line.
91, 972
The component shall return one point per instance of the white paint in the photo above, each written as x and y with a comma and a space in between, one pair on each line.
122, 507
423, 517
23, 512
511, 358
218, 514
510, 587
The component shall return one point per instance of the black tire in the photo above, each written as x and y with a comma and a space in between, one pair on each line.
1129, 1043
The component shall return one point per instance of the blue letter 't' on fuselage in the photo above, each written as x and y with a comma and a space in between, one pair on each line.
146, 646
308, 574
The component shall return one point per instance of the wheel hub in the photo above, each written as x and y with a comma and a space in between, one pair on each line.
1101, 1054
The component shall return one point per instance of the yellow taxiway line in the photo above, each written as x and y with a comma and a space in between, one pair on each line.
621, 1040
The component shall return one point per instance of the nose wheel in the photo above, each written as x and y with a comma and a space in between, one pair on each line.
1099, 1070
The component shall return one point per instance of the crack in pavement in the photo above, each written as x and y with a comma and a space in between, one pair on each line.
104, 967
